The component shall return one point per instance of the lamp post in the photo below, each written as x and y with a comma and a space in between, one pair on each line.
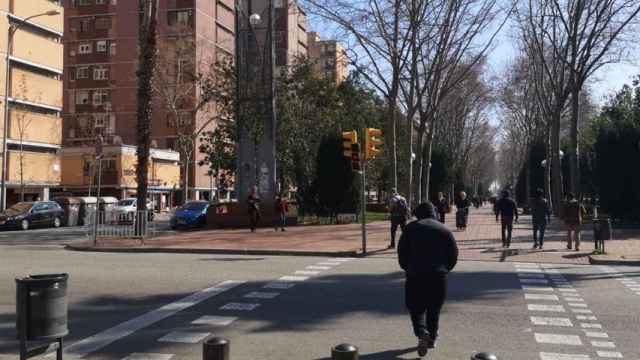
13, 27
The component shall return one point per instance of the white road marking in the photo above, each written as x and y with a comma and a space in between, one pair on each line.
582, 305
556, 356
590, 326
98, 341
148, 356
609, 354
281, 285
293, 278
568, 290
541, 297
582, 311
261, 295
214, 320
586, 317
537, 288
329, 263
315, 267
186, 337
534, 281
551, 321
603, 344
306, 272
544, 307
573, 299
239, 306
559, 339
528, 270
595, 334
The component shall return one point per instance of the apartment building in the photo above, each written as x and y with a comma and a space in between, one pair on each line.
329, 57
101, 54
34, 96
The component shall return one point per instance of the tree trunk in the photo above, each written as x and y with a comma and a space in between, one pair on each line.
185, 192
574, 151
556, 167
428, 150
391, 115
144, 74
419, 161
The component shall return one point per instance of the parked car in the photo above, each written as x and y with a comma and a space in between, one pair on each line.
25, 215
190, 215
125, 210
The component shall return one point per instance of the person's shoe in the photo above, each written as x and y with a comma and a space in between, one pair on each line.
540, 247
577, 248
392, 246
423, 345
431, 344
535, 246
283, 229
568, 247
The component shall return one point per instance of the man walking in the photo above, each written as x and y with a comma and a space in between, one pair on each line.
253, 208
573, 211
399, 210
442, 205
540, 217
427, 252
507, 211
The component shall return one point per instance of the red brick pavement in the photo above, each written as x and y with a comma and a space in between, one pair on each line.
481, 241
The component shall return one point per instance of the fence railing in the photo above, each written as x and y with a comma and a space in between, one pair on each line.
117, 224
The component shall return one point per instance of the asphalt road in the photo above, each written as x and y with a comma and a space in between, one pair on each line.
147, 303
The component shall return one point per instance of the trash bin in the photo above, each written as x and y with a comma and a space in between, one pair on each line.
71, 207
87, 209
601, 232
41, 307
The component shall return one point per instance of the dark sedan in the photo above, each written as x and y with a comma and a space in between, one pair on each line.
25, 215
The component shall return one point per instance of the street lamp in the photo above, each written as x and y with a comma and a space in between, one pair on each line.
255, 19
15, 25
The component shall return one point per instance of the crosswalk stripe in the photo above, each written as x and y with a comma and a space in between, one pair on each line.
609, 354
148, 356
186, 337
556, 356
214, 320
558, 339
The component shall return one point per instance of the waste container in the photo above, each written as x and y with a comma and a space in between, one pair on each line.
87, 209
601, 232
71, 207
41, 307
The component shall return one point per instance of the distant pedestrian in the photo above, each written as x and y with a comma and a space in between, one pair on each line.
507, 211
573, 211
253, 205
442, 205
540, 217
399, 214
427, 252
281, 208
462, 210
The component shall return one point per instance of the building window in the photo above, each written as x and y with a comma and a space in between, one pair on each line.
103, 23
82, 97
83, 2
101, 46
100, 97
100, 120
82, 72
101, 2
112, 49
100, 73
85, 25
84, 48
180, 18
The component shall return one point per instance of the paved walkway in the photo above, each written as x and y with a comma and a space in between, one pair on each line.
481, 241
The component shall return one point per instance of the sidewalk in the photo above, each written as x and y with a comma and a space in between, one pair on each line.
481, 242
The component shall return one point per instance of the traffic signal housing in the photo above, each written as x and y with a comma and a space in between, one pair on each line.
372, 142
348, 139
355, 157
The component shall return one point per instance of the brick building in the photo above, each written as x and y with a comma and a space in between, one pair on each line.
101, 53
329, 57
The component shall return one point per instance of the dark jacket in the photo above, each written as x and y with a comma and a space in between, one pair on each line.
507, 208
442, 206
573, 211
427, 247
540, 211
462, 204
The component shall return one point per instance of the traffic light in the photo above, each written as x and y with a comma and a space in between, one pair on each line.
372, 140
348, 139
355, 157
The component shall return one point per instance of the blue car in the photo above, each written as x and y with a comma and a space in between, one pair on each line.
193, 214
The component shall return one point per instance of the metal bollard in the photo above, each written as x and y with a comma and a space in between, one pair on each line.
344, 352
215, 348
483, 356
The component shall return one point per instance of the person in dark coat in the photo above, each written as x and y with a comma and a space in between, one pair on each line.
427, 252
442, 205
462, 210
507, 211
540, 217
253, 207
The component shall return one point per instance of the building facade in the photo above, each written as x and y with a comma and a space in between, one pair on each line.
34, 95
100, 59
329, 58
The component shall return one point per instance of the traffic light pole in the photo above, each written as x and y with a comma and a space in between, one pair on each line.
364, 207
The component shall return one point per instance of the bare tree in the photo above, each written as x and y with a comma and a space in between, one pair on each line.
23, 124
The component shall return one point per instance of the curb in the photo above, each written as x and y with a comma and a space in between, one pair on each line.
594, 260
353, 253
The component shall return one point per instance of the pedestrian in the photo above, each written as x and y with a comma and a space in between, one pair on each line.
427, 252
507, 211
540, 217
399, 213
442, 205
253, 204
462, 210
281, 208
573, 211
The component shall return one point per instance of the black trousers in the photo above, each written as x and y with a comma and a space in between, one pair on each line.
539, 229
424, 297
395, 222
442, 217
507, 229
